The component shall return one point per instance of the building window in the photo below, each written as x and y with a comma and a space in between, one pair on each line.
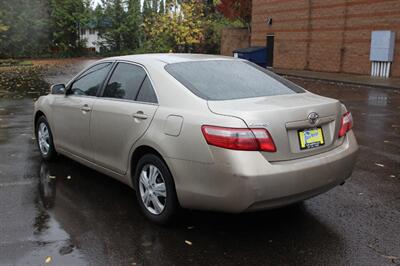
83, 31
92, 32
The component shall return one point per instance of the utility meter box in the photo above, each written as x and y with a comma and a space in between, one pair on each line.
382, 46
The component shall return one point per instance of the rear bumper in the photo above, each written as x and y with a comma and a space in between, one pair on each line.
241, 181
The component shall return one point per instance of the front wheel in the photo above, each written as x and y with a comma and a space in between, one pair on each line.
155, 190
44, 139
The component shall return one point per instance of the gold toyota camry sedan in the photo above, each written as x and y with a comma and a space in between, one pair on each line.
198, 132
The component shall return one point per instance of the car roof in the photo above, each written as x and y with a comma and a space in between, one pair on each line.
168, 58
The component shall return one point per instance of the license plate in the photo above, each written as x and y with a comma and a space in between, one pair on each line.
311, 138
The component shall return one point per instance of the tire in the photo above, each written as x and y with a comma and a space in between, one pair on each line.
44, 139
152, 192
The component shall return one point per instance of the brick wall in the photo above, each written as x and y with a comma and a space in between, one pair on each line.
234, 38
321, 35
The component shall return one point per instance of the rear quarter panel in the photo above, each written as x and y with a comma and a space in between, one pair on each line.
176, 100
189, 144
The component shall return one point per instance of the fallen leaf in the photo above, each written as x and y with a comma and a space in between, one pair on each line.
360, 193
48, 260
188, 242
379, 164
147, 244
52, 176
69, 177
66, 249
190, 227
386, 141
392, 176
390, 257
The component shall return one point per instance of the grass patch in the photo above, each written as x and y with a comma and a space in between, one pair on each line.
25, 63
14, 62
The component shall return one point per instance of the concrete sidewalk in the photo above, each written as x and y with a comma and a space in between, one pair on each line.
388, 83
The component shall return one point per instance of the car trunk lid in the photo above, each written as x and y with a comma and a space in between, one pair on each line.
284, 116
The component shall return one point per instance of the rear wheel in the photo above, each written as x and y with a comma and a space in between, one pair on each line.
155, 190
44, 139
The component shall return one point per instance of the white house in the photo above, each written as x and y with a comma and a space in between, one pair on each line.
91, 38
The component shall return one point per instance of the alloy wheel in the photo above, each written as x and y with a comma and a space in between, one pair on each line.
44, 138
152, 189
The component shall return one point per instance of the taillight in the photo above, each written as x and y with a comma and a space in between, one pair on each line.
255, 139
346, 123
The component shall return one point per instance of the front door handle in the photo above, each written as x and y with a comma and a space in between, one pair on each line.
86, 108
140, 115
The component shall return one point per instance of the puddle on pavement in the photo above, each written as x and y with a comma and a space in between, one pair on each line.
378, 98
51, 240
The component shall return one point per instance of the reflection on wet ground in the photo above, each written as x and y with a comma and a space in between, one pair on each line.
77, 216
84, 217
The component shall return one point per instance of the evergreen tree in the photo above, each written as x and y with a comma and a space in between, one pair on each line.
114, 11
67, 16
133, 35
25, 27
154, 6
98, 16
147, 8
162, 7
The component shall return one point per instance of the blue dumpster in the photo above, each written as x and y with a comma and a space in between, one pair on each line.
255, 54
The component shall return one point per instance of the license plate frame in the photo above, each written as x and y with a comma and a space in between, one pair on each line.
310, 138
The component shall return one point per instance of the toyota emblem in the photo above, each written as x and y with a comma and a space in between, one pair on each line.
313, 118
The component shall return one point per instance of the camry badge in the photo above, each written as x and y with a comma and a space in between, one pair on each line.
313, 118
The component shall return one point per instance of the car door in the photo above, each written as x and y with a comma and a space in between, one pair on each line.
122, 115
72, 113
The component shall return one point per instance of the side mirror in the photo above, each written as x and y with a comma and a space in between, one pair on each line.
57, 89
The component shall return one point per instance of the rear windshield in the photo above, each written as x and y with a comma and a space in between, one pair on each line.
229, 79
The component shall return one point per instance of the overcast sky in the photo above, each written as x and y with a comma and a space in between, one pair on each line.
95, 2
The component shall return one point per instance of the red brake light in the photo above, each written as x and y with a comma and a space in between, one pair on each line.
346, 124
256, 139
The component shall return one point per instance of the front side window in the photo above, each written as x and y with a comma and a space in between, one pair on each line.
125, 82
229, 79
89, 83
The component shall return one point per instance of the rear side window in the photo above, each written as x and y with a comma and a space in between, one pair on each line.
91, 80
146, 93
125, 82
229, 79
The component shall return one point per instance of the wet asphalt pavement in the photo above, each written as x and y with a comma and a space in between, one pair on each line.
66, 214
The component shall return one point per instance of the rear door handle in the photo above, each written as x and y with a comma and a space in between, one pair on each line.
140, 115
86, 108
